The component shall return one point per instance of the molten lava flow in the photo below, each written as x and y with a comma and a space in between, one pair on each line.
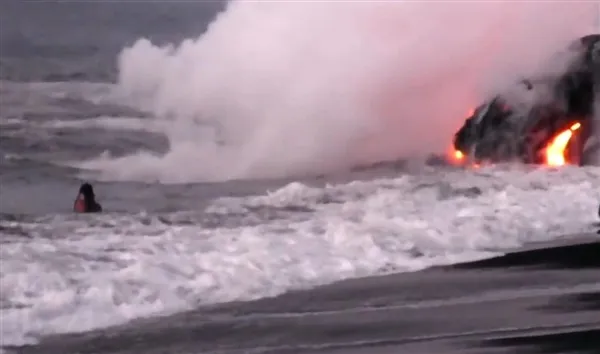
455, 157
555, 151
458, 155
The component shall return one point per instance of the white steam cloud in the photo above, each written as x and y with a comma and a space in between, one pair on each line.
281, 88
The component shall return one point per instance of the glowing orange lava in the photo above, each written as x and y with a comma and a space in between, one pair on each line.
458, 155
555, 151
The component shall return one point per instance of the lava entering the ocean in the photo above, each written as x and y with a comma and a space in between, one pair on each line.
555, 151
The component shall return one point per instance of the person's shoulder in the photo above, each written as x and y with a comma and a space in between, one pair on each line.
96, 208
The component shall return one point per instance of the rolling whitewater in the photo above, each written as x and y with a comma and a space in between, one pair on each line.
223, 142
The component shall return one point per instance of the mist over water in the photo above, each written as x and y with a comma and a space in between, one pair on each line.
275, 89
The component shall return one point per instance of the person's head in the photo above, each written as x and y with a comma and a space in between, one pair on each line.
86, 200
87, 191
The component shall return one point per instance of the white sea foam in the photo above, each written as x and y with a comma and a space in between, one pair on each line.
107, 269
105, 122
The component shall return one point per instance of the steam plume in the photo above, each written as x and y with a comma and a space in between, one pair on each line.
280, 88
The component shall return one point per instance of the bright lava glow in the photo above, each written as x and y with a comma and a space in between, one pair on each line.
555, 152
458, 155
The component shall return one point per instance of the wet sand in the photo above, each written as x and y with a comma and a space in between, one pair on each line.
545, 299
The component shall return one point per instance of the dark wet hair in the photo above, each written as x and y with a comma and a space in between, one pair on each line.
87, 190
91, 205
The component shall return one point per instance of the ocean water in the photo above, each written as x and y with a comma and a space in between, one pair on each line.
226, 217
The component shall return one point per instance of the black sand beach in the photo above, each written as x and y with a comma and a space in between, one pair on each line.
542, 300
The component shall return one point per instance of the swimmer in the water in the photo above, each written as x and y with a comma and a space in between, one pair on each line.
86, 200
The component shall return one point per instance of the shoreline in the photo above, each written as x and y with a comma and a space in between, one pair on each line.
525, 299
